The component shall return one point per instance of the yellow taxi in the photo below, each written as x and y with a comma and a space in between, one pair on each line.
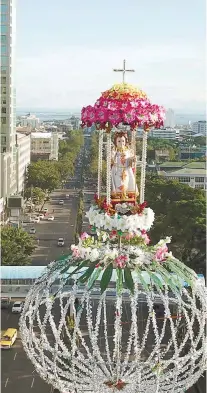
8, 338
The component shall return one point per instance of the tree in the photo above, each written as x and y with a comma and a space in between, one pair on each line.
180, 213
44, 175
16, 246
36, 194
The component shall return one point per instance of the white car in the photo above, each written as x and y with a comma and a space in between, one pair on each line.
61, 202
17, 307
34, 219
41, 216
61, 242
50, 218
67, 196
32, 231
45, 210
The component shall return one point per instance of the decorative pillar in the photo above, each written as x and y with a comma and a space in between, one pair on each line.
100, 161
108, 168
133, 141
143, 167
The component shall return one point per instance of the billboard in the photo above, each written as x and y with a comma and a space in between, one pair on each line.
15, 202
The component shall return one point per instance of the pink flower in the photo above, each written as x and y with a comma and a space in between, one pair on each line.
84, 236
160, 254
121, 261
128, 236
76, 252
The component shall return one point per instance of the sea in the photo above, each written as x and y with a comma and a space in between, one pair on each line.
49, 115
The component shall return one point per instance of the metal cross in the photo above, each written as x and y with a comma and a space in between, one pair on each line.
123, 70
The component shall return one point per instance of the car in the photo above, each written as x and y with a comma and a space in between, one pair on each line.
32, 231
41, 216
50, 218
61, 242
5, 302
8, 338
67, 196
36, 219
45, 210
17, 307
61, 202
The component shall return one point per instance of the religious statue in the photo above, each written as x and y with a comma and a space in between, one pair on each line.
122, 169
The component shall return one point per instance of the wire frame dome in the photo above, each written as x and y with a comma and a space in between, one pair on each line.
146, 341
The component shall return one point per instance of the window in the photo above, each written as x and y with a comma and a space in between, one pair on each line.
3, 50
184, 179
3, 70
3, 39
3, 90
3, 120
3, 110
3, 80
199, 186
3, 140
4, 61
3, 18
3, 29
3, 8
199, 179
3, 102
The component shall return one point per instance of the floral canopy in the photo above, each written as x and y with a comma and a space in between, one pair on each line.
125, 104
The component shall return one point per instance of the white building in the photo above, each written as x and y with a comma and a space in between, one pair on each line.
44, 145
192, 174
199, 127
29, 120
170, 119
23, 145
162, 133
8, 97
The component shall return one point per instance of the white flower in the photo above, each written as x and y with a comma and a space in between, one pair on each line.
94, 255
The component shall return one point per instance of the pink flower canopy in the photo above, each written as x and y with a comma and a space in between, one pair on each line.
125, 104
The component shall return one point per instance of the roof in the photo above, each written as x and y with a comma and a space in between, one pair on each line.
21, 272
196, 165
41, 135
187, 171
173, 164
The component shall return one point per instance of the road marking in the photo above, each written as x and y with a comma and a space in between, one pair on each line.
15, 355
8, 317
6, 382
52, 389
32, 383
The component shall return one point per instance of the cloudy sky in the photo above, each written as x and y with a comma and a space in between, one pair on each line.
67, 49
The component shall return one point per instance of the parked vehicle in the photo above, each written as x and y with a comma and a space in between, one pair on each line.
8, 338
61, 202
32, 231
36, 219
61, 242
50, 218
67, 196
5, 302
45, 210
41, 216
17, 307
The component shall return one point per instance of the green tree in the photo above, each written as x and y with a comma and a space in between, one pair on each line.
180, 213
16, 246
35, 193
44, 175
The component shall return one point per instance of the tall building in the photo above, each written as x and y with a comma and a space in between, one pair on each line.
30, 120
44, 146
199, 127
170, 118
23, 145
8, 97
161, 133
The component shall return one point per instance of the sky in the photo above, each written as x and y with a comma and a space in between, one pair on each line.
66, 51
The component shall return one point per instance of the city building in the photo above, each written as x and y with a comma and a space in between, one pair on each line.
29, 120
161, 133
23, 145
192, 174
44, 145
75, 122
8, 98
191, 152
170, 119
162, 155
199, 127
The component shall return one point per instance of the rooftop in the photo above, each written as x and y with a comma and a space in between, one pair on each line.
187, 171
172, 164
41, 135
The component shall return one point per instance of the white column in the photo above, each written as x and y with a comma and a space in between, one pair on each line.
100, 160
143, 167
108, 169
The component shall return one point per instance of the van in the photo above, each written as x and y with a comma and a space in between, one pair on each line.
8, 338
